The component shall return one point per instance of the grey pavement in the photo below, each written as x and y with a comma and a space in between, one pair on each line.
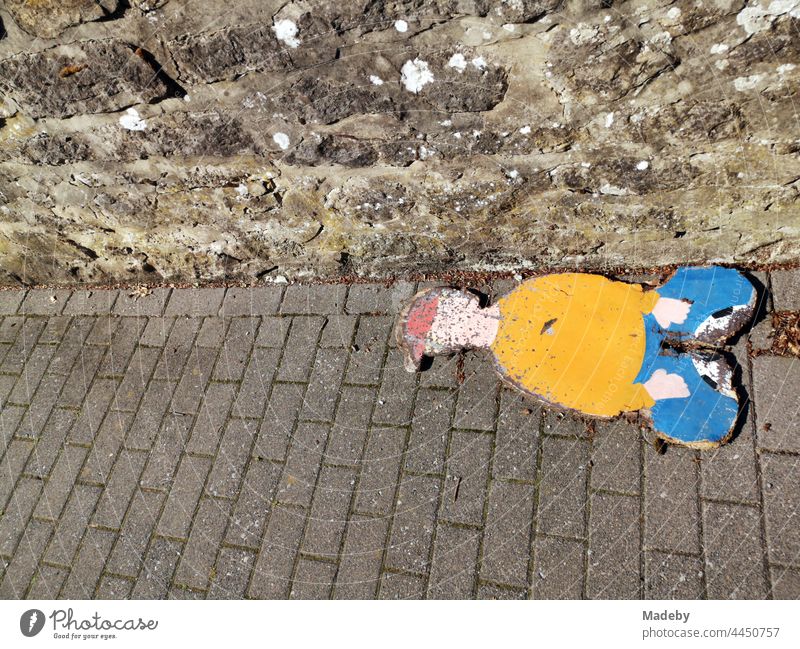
266, 442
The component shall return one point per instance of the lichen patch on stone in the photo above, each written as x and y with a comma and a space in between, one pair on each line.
286, 32
458, 62
132, 121
415, 74
282, 140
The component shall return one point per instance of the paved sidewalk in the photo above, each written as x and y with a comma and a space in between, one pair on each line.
267, 443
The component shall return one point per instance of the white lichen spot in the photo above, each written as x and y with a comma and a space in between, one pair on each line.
586, 165
187, 98
241, 189
785, 68
487, 35
425, 152
607, 18
446, 122
509, 27
722, 64
458, 62
642, 165
375, 80
756, 18
525, 130
753, 19
479, 62
583, 33
719, 48
513, 174
132, 121
662, 38
401, 26
282, 140
609, 119
457, 135
286, 32
415, 75
613, 190
747, 83
674, 13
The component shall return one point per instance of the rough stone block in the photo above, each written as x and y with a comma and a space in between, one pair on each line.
733, 552
776, 401
329, 512
518, 426
672, 511
673, 576
251, 301
360, 563
558, 568
507, 536
231, 574
273, 570
467, 475
380, 469
562, 490
200, 553
230, 463
786, 290
88, 565
312, 580
614, 545
781, 482
253, 504
413, 524
454, 564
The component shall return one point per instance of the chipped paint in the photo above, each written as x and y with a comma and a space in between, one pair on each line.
586, 343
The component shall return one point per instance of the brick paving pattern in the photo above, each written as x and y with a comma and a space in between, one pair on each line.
267, 443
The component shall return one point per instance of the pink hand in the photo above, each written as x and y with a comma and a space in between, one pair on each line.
668, 310
666, 386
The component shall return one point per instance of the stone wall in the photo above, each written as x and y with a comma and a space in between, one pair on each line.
179, 140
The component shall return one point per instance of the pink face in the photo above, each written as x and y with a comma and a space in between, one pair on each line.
460, 322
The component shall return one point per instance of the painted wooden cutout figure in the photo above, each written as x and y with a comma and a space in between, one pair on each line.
587, 343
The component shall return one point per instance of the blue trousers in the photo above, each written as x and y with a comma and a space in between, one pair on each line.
707, 415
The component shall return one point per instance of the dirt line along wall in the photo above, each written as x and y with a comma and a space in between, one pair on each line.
152, 140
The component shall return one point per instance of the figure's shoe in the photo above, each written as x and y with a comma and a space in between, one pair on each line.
723, 301
707, 417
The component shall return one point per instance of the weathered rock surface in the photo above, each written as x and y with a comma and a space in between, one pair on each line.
84, 77
199, 141
48, 18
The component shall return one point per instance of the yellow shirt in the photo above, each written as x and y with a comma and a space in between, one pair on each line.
576, 340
